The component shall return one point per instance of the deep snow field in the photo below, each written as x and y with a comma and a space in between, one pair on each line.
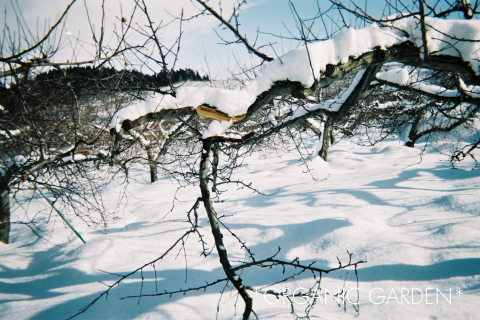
413, 218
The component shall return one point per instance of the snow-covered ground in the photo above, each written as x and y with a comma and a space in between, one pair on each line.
413, 218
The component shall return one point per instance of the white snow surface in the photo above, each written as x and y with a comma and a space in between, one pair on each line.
413, 218
305, 64
74, 157
436, 90
398, 75
216, 128
10, 132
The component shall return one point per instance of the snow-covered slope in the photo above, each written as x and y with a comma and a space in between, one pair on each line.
414, 219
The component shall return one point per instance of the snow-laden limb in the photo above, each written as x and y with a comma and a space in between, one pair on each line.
74, 157
308, 66
293, 66
457, 106
455, 38
335, 109
435, 90
398, 75
137, 136
332, 105
69, 157
140, 108
400, 78
9, 133
472, 91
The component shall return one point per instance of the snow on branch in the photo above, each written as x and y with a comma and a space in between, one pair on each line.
295, 67
332, 105
400, 78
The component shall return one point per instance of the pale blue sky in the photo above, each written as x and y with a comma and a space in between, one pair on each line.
199, 46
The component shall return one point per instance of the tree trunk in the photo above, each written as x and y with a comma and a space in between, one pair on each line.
152, 165
327, 139
314, 129
413, 134
4, 210
214, 167
235, 279
351, 101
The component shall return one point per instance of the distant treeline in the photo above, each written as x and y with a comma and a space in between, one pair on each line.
109, 78
40, 95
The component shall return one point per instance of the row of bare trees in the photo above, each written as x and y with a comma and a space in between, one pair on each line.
54, 118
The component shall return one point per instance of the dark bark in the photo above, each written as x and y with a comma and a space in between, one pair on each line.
351, 101
217, 234
236, 32
454, 98
152, 165
412, 135
149, 117
426, 55
315, 130
326, 139
215, 167
4, 210
358, 91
